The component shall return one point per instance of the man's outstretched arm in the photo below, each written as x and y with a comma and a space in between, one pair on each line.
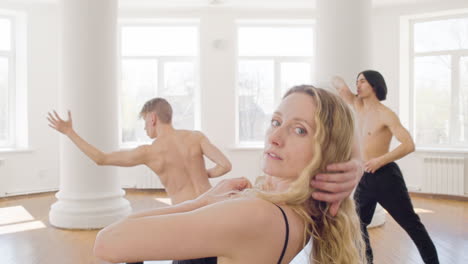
128, 158
343, 89
223, 165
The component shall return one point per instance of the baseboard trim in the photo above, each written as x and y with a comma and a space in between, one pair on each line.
440, 196
159, 191
26, 193
54, 190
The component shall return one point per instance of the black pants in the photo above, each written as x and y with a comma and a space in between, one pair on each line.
387, 187
213, 260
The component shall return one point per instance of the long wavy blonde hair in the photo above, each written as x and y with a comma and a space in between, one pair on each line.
334, 239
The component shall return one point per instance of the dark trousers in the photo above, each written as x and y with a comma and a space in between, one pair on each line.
212, 260
387, 187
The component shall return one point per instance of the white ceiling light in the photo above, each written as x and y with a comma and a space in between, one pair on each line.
215, 2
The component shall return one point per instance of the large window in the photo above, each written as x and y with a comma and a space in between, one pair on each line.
157, 60
439, 58
272, 58
7, 89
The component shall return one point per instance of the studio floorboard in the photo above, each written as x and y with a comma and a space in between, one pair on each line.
26, 236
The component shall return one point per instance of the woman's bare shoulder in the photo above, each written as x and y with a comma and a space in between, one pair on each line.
253, 211
261, 222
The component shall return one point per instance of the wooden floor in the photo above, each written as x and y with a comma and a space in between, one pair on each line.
26, 236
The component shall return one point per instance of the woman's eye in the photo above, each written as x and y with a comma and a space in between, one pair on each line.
300, 131
275, 123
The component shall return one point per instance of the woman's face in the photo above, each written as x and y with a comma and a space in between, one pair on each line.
289, 139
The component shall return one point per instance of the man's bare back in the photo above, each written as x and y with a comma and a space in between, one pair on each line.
176, 156
181, 166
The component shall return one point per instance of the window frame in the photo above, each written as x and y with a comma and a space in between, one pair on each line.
161, 60
455, 56
11, 141
277, 61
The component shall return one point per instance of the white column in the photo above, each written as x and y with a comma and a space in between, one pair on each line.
343, 39
90, 196
344, 48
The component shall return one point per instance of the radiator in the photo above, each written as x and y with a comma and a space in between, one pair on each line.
444, 175
148, 181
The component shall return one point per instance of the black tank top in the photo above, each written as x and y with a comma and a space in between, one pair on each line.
286, 238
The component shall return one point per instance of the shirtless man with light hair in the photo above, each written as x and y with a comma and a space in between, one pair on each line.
176, 156
382, 181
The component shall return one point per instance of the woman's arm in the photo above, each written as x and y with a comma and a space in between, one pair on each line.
186, 235
222, 191
183, 207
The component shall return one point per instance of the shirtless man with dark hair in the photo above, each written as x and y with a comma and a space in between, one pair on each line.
176, 156
382, 181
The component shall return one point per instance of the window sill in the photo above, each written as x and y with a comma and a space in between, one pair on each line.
247, 147
15, 150
129, 146
443, 150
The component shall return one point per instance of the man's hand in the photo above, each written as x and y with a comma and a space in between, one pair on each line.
337, 82
55, 122
373, 165
338, 183
224, 190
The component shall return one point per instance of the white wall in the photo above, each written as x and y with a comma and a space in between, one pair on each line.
386, 59
36, 169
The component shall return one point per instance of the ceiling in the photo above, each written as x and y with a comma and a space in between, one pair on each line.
235, 3
255, 3
220, 3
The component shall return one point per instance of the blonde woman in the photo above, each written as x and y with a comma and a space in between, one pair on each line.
270, 223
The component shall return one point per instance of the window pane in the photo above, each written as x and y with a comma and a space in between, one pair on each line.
159, 40
139, 84
449, 34
179, 90
276, 41
294, 73
463, 118
256, 98
5, 34
432, 99
3, 100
